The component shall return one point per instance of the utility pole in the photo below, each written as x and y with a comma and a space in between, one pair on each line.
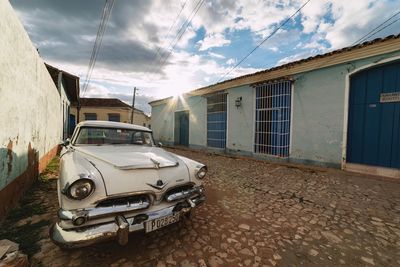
133, 104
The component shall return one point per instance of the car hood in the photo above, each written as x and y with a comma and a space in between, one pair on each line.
131, 168
128, 157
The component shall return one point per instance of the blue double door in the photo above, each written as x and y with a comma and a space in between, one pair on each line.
374, 117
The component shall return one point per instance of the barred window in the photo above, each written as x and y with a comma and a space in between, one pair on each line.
273, 111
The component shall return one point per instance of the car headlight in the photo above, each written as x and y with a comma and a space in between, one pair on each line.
81, 189
201, 173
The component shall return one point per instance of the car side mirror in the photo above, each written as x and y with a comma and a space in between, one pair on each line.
159, 144
66, 142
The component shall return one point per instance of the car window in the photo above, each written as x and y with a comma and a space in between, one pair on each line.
109, 136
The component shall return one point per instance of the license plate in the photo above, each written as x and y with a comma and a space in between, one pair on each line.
161, 222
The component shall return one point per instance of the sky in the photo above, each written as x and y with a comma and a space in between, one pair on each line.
141, 49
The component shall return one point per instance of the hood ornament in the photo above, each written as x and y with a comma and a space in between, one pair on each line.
160, 184
156, 163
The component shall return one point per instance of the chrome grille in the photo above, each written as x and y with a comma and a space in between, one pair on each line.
141, 201
181, 193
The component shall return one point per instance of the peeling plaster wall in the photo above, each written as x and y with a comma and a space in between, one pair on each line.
30, 113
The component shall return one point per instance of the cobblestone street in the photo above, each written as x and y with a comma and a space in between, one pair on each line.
256, 214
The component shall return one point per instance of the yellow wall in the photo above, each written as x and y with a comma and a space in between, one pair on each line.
102, 114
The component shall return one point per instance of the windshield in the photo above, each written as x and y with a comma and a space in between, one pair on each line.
112, 136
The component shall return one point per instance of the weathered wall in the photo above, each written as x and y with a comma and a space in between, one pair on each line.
197, 120
318, 113
65, 104
162, 123
102, 114
240, 134
29, 110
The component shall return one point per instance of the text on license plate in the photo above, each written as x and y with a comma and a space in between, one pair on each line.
161, 222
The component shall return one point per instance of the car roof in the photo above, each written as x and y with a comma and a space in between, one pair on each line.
113, 124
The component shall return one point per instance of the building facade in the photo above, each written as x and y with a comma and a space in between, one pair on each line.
340, 109
108, 109
29, 111
68, 87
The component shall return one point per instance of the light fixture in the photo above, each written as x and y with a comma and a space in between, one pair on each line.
238, 102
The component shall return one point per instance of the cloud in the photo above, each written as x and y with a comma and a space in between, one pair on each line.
212, 54
274, 49
101, 91
342, 22
295, 57
231, 61
213, 40
140, 36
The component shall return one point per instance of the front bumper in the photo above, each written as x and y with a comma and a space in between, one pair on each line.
120, 228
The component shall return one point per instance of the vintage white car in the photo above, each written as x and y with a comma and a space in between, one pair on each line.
115, 180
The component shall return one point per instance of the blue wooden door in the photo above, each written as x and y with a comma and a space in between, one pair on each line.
184, 129
374, 123
72, 124
181, 130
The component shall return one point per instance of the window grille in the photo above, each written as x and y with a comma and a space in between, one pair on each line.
216, 120
273, 111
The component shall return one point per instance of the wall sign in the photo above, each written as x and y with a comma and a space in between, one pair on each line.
390, 97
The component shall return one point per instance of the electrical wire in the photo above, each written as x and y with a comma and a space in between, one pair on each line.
385, 27
108, 6
182, 31
157, 54
371, 33
359, 41
264, 40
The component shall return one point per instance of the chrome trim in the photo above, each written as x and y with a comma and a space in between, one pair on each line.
123, 230
144, 192
101, 211
184, 194
92, 189
133, 167
177, 186
197, 169
118, 228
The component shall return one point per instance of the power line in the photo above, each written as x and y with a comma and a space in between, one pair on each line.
363, 38
166, 36
385, 27
371, 33
108, 6
264, 40
182, 31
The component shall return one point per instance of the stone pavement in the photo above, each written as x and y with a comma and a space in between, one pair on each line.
256, 214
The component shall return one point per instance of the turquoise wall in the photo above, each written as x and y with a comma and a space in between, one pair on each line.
318, 112
317, 122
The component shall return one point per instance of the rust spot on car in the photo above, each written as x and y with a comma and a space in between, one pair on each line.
9, 156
